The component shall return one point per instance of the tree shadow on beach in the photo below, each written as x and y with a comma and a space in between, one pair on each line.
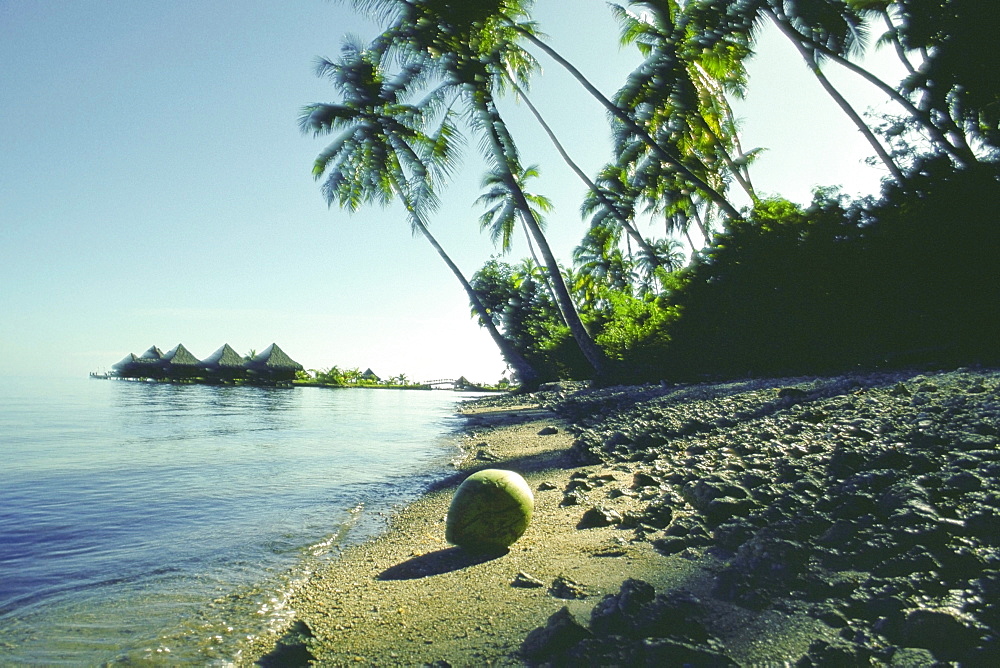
437, 563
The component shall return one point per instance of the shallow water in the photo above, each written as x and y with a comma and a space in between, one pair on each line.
142, 522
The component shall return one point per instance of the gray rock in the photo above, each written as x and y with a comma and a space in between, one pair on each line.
911, 657
944, 631
599, 516
575, 497
559, 634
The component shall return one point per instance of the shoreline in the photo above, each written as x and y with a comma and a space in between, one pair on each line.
631, 484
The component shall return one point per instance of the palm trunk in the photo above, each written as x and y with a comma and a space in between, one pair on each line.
525, 372
622, 220
493, 124
960, 150
663, 154
810, 59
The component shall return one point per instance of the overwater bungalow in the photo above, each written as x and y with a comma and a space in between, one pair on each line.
270, 367
147, 365
224, 364
180, 363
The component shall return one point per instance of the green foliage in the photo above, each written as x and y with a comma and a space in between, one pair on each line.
907, 279
632, 326
521, 305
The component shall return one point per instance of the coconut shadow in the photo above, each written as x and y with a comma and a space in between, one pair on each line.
437, 563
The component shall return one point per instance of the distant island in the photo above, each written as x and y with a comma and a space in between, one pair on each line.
271, 367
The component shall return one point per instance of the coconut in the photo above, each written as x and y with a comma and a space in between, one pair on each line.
490, 510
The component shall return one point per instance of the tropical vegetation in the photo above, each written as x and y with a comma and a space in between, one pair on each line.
907, 277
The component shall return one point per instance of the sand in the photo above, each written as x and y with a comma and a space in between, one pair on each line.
408, 598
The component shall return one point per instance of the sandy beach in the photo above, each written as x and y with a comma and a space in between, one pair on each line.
603, 469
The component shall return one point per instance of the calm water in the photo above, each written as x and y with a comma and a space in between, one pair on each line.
162, 523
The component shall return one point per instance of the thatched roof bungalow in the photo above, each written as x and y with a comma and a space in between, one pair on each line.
153, 353
147, 365
272, 364
178, 362
225, 363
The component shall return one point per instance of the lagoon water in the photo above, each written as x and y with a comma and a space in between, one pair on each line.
151, 523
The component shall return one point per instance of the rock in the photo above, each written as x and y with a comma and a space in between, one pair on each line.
599, 516
837, 653
793, 393
563, 587
526, 581
911, 657
670, 545
641, 479
487, 455
490, 510
548, 431
616, 614
559, 634
547, 486
659, 513
720, 510
292, 649
669, 652
700, 493
944, 631
574, 497
581, 484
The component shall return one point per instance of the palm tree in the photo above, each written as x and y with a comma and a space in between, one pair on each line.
682, 88
663, 150
601, 198
846, 40
501, 214
382, 152
472, 48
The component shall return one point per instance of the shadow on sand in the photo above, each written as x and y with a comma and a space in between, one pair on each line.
437, 563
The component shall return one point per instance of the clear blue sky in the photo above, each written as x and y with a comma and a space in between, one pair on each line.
155, 189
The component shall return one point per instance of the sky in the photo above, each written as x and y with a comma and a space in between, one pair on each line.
155, 188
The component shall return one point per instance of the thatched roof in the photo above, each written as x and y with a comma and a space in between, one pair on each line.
273, 358
180, 356
370, 375
126, 362
131, 362
153, 353
224, 357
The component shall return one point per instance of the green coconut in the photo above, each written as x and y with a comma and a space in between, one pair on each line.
489, 511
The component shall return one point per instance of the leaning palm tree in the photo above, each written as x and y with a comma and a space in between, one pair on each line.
472, 49
381, 152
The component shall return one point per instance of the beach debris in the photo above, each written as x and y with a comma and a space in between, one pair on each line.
560, 633
615, 547
291, 649
490, 510
575, 497
599, 516
793, 393
526, 581
564, 587
486, 454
